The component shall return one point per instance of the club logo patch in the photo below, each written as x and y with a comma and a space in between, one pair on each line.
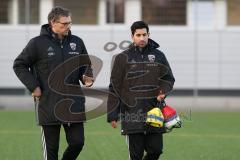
151, 58
73, 46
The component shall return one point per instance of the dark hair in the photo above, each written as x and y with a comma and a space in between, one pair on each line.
57, 12
139, 25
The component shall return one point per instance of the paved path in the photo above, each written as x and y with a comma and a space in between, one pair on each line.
178, 102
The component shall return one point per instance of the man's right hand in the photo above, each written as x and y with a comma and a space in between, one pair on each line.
114, 124
160, 96
88, 81
37, 92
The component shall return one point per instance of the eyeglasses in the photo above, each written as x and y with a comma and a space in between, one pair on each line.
65, 24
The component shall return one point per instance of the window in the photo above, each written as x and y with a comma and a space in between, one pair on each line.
4, 11
203, 13
164, 12
28, 12
83, 12
115, 11
233, 12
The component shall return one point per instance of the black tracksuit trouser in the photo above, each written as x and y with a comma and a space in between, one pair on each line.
51, 136
152, 144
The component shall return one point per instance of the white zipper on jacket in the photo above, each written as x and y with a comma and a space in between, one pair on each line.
61, 43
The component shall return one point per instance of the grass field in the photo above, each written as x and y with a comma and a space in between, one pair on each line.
208, 136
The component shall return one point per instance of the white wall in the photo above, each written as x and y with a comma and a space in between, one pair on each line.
216, 53
202, 56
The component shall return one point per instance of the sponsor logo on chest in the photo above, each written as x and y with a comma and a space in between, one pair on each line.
50, 51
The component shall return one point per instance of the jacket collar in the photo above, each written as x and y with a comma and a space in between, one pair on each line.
46, 30
151, 45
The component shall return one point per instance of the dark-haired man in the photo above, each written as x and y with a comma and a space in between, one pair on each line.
141, 77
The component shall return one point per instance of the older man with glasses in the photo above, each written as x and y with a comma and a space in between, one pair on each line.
37, 62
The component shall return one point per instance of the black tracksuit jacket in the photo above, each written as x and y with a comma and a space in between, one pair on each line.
39, 59
127, 77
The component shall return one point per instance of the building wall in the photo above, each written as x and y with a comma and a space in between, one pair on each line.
201, 56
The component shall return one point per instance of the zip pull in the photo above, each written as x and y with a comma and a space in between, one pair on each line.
61, 42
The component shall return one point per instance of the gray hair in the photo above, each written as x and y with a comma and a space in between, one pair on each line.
58, 12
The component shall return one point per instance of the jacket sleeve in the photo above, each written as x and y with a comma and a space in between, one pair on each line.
168, 78
113, 105
87, 69
114, 101
23, 63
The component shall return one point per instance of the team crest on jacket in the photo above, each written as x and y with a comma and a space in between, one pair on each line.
151, 58
73, 46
